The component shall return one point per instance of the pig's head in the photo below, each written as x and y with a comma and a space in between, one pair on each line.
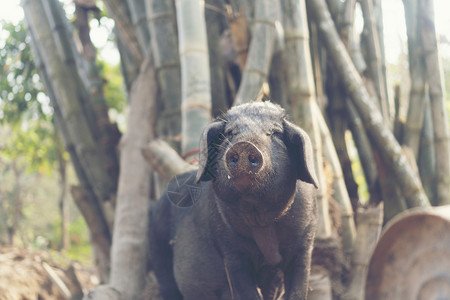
255, 156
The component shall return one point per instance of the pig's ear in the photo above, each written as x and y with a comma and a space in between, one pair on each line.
211, 138
298, 141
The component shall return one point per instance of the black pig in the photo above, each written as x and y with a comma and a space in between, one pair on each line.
243, 225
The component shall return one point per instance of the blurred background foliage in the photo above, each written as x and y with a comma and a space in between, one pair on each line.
31, 152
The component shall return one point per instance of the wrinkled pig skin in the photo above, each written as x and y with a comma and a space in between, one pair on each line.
242, 226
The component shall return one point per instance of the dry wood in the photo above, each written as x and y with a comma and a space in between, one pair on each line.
62, 287
165, 160
381, 135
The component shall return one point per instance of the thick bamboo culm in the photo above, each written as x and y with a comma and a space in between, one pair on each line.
164, 48
301, 95
435, 79
195, 75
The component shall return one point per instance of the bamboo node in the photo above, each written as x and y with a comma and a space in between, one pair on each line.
255, 70
295, 35
193, 49
156, 16
270, 22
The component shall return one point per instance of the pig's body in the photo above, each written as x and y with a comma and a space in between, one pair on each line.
249, 223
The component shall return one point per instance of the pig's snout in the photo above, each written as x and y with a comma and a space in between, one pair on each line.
244, 158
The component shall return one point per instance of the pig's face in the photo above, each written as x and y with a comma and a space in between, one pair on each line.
254, 157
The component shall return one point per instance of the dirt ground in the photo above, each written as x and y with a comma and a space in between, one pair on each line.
31, 275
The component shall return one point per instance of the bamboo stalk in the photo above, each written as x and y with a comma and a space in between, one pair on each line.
348, 36
277, 79
128, 64
414, 121
301, 94
381, 135
398, 119
119, 11
215, 18
378, 11
260, 52
340, 193
374, 56
338, 123
138, 16
316, 54
365, 151
195, 73
164, 47
427, 160
435, 78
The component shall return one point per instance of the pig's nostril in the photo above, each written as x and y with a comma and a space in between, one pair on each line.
234, 158
253, 159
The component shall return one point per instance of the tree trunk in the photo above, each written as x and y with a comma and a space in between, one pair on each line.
128, 254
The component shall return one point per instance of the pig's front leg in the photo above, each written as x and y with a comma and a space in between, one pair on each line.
241, 281
297, 277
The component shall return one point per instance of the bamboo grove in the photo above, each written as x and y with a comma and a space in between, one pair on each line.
186, 61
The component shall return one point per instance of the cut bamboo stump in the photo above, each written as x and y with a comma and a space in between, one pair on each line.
411, 259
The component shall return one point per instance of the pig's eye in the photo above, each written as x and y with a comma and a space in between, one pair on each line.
274, 132
228, 133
